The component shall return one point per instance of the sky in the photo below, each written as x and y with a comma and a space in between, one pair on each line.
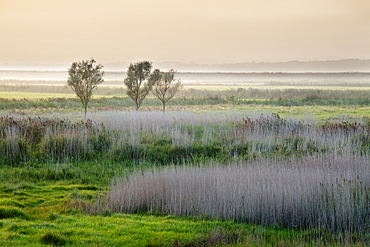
200, 31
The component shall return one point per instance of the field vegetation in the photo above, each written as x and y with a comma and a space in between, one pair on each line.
190, 96
236, 167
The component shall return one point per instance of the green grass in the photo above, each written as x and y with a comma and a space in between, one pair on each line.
46, 217
220, 87
320, 114
142, 230
44, 204
47, 95
45, 211
298, 102
34, 96
297, 109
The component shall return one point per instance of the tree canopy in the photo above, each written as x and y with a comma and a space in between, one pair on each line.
84, 77
165, 86
137, 81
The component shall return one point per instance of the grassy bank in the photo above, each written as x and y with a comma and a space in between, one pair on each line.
206, 92
50, 204
320, 103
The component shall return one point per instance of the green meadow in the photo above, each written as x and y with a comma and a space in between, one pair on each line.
224, 166
43, 209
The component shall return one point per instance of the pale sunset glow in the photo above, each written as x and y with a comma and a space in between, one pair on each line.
203, 31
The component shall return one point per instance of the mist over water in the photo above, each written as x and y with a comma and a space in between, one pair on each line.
33, 75
56, 77
39, 77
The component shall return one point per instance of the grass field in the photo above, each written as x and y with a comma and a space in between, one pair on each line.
42, 211
70, 182
44, 204
33, 96
297, 102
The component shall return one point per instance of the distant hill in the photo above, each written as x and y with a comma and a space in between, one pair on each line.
345, 65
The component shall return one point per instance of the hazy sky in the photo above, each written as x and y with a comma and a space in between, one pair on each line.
203, 31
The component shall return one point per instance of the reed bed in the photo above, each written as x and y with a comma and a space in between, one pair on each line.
263, 169
325, 192
174, 138
25, 140
235, 135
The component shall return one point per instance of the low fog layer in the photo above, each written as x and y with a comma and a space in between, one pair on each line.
344, 65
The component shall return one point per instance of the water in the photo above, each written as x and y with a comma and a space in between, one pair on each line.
38, 75
233, 79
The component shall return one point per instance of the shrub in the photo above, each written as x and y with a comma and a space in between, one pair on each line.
25, 138
101, 142
30, 129
11, 203
9, 212
53, 239
60, 172
165, 154
14, 151
62, 147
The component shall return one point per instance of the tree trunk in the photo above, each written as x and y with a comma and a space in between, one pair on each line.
85, 112
163, 106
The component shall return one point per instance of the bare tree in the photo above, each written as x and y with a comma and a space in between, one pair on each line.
165, 86
137, 81
84, 77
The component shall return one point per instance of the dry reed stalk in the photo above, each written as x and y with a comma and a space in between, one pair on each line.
264, 134
323, 192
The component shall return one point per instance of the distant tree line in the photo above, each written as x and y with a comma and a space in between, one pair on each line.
141, 79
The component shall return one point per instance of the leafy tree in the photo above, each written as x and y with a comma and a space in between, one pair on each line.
165, 86
137, 81
84, 77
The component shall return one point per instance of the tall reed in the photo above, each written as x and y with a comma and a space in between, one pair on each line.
174, 137
252, 135
23, 139
325, 192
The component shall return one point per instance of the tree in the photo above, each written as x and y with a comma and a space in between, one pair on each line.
165, 86
137, 81
84, 77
